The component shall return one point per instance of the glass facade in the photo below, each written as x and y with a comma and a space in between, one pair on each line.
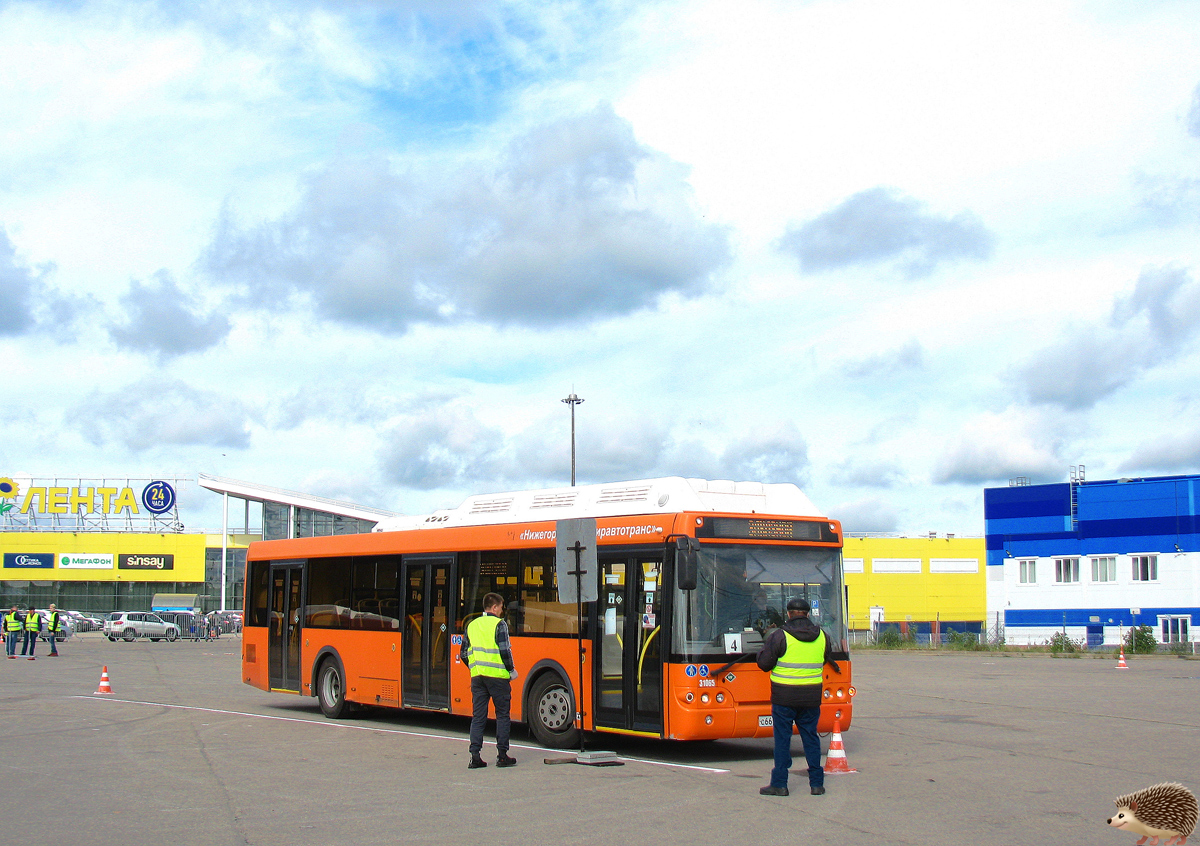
98, 597
235, 570
285, 521
275, 521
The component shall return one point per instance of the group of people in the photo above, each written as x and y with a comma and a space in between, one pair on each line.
794, 653
27, 626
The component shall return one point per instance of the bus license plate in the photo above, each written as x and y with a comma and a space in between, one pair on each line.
765, 721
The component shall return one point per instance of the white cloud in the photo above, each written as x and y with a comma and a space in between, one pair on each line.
992, 448
1154, 323
560, 229
879, 225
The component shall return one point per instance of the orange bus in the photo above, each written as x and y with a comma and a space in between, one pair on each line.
690, 575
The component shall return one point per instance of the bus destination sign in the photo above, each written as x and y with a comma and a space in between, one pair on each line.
757, 528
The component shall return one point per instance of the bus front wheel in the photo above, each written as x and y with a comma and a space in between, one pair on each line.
331, 691
551, 716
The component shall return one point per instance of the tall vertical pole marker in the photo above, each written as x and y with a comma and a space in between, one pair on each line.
575, 555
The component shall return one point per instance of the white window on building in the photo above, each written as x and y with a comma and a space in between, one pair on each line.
1174, 629
1145, 568
1028, 571
1104, 568
895, 565
1066, 570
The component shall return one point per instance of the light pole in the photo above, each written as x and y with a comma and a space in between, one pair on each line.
573, 401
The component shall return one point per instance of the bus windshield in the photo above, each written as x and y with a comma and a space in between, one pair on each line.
742, 592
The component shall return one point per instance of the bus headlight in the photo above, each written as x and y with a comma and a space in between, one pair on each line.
826, 694
852, 691
688, 697
708, 720
841, 694
704, 698
720, 697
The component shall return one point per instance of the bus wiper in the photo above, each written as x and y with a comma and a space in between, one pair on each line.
738, 659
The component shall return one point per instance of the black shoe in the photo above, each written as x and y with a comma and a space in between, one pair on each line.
505, 761
476, 763
817, 791
773, 791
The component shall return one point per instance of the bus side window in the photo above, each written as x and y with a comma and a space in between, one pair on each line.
543, 613
482, 573
259, 582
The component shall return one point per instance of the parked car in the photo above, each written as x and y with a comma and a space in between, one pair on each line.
133, 624
82, 622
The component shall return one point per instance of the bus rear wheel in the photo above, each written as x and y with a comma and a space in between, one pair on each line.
331, 691
551, 716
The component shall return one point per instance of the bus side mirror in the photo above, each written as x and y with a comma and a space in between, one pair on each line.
687, 553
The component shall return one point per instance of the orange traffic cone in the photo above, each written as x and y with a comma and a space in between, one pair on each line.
105, 687
835, 761
1121, 665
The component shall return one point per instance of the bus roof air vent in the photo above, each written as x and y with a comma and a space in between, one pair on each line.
629, 493
491, 506
554, 500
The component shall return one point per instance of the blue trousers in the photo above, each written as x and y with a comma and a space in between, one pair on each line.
805, 719
11, 642
499, 691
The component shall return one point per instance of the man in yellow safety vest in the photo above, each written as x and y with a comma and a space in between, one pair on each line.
55, 626
14, 623
33, 627
795, 655
488, 652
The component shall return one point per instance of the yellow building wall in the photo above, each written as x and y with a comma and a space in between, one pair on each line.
922, 596
188, 552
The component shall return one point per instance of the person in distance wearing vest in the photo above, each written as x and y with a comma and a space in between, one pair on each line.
795, 655
33, 627
55, 626
14, 624
488, 653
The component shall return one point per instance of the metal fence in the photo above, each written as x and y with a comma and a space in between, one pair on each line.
190, 625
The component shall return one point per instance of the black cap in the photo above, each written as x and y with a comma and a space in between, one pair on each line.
799, 605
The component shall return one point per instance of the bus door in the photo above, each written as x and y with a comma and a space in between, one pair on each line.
629, 669
283, 645
425, 662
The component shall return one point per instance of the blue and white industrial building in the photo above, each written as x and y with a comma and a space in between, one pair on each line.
1092, 558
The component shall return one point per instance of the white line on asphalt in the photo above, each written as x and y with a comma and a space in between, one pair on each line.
321, 724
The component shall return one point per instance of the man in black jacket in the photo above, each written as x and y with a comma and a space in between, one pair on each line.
795, 655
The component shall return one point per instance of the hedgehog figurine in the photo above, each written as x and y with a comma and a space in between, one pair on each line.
1164, 810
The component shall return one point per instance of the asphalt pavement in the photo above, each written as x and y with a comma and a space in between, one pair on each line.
949, 747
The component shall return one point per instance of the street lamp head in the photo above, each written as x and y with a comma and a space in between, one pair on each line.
573, 401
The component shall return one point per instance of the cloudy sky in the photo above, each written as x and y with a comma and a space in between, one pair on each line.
892, 252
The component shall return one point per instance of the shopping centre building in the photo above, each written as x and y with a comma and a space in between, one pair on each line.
114, 544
